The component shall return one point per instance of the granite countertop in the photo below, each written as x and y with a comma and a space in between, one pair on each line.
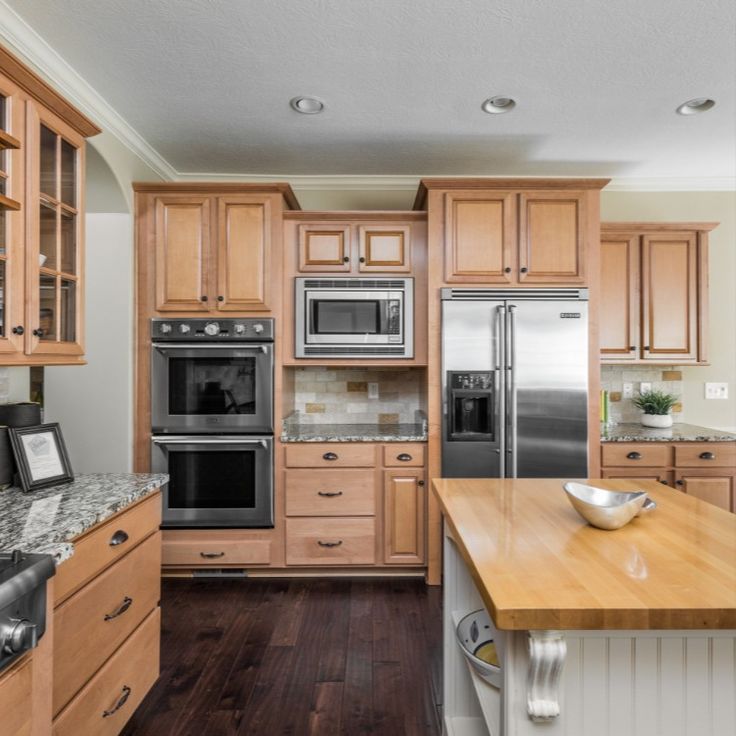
293, 432
675, 433
46, 521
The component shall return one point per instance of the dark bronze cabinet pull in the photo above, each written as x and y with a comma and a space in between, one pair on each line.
124, 606
361, 259
122, 700
18, 330
345, 259
329, 494
330, 456
38, 332
680, 482
664, 482
329, 544
211, 555
405, 457
507, 269
707, 456
220, 298
420, 482
634, 456
632, 347
120, 537
523, 269
203, 298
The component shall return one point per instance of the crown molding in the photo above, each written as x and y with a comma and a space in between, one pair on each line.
673, 184
306, 182
34, 51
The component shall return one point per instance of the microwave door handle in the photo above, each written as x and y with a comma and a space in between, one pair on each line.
200, 440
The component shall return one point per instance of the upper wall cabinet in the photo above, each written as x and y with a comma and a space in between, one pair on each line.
502, 232
208, 248
654, 292
41, 221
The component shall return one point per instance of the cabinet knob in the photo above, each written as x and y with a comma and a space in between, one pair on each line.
523, 269
507, 269
405, 457
680, 482
634, 456
38, 332
220, 298
120, 537
203, 298
18, 330
646, 347
420, 482
346, 259
361, 259
329, 456
632, 347
663, 482
707, 456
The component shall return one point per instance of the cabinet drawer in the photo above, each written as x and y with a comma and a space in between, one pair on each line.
337, 493
403, 456
91, 625
106, 544
639, 454
331, 455
15, 700
706, 455
219, 549
108, 700
334, 541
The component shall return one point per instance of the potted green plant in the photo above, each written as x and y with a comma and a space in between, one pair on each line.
656, 406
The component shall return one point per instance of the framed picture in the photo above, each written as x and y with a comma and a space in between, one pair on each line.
40, 456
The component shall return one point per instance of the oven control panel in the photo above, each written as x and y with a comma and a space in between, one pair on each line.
212, 330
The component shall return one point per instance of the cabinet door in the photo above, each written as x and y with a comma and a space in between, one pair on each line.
16, 699
661, 475
714, 486
243, 253
324, 247
669, 297
54, 236
384, 248
404, 517
12, 272
182, 244
480, 237
552, 231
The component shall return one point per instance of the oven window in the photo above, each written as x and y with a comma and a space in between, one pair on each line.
212, 479
346, 317
212, 385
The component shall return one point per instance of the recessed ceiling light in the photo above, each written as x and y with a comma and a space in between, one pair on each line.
307, 105
498, 104
692, 107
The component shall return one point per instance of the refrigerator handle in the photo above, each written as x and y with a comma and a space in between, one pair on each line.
500, 372
511, 390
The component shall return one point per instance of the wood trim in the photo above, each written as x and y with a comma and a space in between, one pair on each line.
519, 183
6, 203
703, 301
218, 187
357, 216
42, 92
656, 227
8, 141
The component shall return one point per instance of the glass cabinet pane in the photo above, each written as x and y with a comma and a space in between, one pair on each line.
48, 162
2, 298
68, 242
47, 237
47, 311
68, 174
68, 311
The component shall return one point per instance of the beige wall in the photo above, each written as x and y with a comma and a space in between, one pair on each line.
711, 207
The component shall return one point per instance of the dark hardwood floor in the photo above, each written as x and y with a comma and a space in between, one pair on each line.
298, 657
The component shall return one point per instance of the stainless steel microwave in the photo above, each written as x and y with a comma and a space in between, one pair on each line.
354, 318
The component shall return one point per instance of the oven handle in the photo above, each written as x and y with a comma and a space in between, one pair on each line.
200, 440
210, 346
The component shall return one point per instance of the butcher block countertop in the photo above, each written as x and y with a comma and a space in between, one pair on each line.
538, 565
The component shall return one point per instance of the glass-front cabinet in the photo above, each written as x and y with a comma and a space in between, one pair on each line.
54, 256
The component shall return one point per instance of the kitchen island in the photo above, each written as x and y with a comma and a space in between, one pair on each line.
622, 632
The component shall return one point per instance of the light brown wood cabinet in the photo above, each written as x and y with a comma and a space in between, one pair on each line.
352, 247
16, 698
705, 470
41, 221
213, 252
654, 292
404, 522
484, 244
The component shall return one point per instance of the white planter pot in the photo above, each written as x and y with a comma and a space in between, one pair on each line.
656, 420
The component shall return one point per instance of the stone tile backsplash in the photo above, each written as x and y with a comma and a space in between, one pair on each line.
340, 395
623, 410
4, 386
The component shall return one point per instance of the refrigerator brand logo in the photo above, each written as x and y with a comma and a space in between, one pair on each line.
569, 315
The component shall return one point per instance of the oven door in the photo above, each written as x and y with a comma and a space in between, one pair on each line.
215, 481
212, 388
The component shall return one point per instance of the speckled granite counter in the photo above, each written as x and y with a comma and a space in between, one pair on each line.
47, 520
293, 432
675, 433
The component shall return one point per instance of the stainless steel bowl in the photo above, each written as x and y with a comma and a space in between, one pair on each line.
607, 509
473, 632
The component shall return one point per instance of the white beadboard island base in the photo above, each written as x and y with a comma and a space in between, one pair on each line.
612, 683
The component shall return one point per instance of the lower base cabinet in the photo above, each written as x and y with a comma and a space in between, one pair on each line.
711, 485
404, 520
16, 704
330, 541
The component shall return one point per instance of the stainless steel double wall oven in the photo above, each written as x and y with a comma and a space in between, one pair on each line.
212, 420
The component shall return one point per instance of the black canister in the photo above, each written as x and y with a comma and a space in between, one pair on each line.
7, 464
21, 414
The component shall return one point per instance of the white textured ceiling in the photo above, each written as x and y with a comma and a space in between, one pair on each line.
207, 83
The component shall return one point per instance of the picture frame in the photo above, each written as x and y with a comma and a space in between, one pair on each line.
41, 457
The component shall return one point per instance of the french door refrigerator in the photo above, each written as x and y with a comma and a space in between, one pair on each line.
514, 383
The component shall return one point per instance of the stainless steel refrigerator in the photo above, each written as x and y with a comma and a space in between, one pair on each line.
514, 383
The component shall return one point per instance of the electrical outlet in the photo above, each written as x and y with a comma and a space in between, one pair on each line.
645, 386
628, 390
716, 390
373, 390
